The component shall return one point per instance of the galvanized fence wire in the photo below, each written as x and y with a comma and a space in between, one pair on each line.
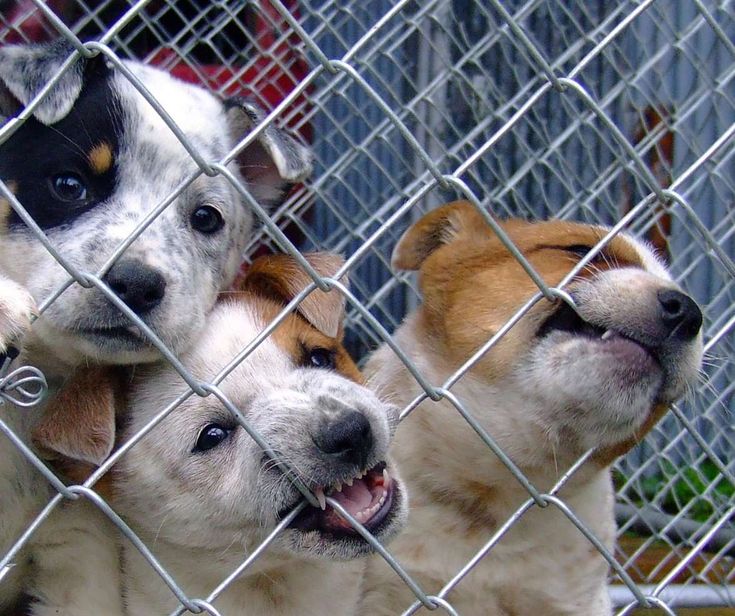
532, 109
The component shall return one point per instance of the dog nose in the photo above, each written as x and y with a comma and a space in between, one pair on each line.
141, 287
349, 439
680, 314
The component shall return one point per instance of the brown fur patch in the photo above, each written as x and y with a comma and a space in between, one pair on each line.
280, 277
100, 158
472, 284
79, 424
479, 500
296, 336
272, 281
271, 584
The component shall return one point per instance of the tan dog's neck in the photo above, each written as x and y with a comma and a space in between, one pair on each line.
559, 382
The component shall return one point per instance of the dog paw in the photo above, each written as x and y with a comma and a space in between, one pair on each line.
17, 308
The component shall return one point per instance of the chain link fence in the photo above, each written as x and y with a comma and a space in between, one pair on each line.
585, 110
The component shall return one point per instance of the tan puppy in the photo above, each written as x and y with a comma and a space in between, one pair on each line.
554, 386
202, 494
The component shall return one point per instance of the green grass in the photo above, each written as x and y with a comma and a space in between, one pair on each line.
698, 491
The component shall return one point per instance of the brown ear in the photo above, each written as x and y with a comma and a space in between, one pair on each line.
438, 228
280, 277
79, 422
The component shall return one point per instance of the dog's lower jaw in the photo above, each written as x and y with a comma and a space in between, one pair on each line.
600, 391
374, 497
57, 351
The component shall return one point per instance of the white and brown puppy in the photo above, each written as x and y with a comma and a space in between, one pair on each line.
557, 384
202, 494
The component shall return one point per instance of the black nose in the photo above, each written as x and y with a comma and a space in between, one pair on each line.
349, 439
680, 314
141, 287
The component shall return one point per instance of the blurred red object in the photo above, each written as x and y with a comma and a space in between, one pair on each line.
275, 68
271, 66
23, 22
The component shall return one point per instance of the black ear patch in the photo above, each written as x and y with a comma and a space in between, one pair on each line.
61, 171
26, 69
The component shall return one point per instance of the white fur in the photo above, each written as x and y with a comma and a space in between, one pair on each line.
150, 164
202, 513
16, 309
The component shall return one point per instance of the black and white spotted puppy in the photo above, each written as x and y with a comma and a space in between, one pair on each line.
91, 163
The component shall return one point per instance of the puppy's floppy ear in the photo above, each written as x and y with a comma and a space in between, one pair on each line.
280, 277
437, 228
26, 69
273, 162
79, 422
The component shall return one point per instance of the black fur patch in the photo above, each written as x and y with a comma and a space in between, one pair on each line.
37, 153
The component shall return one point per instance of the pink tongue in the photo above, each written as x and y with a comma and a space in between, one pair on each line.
354, 498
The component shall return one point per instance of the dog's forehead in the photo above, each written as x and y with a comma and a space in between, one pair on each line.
622, 249
236, 323
150, 151
199, 114
231, 327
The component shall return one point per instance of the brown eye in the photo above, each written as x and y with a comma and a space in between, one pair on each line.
68, 187
319, 357
207, 220
211, 436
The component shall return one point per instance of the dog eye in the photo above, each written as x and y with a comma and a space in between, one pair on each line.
211, 436
207, 219
580, 250
69, 187
321, 358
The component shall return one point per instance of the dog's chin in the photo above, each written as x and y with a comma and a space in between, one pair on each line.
377, 500
119, 350
615, 357
117, 345
599, 383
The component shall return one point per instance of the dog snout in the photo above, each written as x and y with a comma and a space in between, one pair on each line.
680, 315
348, 439
140, 286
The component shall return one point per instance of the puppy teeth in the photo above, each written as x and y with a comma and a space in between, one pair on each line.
338, 486
319, 493
349, 482
608, 334
386, 478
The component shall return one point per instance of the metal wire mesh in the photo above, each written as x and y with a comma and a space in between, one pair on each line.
584, 110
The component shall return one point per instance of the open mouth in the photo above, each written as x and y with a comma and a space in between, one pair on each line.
367, 497
566, 319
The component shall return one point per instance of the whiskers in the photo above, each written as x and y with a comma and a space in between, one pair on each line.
289, 469
713, 368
